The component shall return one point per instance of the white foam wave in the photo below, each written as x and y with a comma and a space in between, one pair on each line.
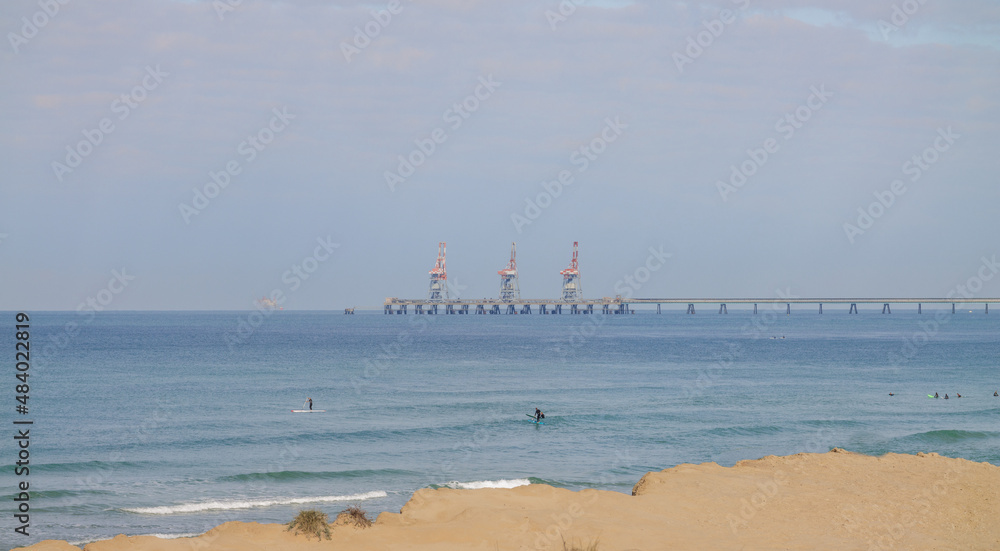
480, 484
248, 504
81, 543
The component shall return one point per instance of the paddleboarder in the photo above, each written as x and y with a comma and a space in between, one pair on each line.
539, 415
310, 402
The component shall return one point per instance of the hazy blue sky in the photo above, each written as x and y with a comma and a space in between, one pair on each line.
310, 105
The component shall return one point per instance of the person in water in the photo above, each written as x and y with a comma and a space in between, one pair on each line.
310, 402
539, 415
995, 394
936, 395
946, 396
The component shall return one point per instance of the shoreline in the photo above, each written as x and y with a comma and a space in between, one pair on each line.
834, 500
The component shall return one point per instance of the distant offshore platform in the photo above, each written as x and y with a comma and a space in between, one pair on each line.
572, 301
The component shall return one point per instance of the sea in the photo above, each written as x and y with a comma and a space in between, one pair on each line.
171, 423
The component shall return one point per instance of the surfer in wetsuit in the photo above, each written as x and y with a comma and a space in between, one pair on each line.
539, 415
310, 402
936, 395
995, 394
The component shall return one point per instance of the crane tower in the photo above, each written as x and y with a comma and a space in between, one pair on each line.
439, 277
509, 290
571, 279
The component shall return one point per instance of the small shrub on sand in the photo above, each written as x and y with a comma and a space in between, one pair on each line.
311, 522
592, 546
354, 516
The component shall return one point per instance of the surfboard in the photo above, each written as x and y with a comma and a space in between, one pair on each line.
308, 411
930, 395
533, 419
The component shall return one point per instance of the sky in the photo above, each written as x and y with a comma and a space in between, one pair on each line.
198, 155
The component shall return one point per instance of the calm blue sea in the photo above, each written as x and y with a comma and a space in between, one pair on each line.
171, 423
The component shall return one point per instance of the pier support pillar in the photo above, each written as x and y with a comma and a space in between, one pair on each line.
606, 309
690, 308
657, 308
920, 308
952, 307
723, 309
788, 309
886, 309
987, 308
854, 308
526, 309
821, 308
755, 309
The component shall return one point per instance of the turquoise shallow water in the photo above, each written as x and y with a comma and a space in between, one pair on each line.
164, 423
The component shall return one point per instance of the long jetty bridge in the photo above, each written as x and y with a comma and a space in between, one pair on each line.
619, 305
572, 301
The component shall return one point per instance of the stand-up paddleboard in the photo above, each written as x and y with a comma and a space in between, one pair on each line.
533, 419
308, 411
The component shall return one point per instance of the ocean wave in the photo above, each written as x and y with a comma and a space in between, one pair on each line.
81, 543
248, 504
754, 430
481, 484
305, 475
75, 467
950, 436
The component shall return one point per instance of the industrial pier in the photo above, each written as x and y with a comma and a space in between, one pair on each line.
572, 301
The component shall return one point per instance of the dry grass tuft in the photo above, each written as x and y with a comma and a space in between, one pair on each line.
354, 516
311, 522
592, 546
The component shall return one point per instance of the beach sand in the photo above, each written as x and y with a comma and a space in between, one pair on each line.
837, 500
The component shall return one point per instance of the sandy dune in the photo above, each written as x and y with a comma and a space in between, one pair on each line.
837, 500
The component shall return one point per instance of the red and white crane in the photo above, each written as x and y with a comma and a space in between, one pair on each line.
439, 277
509, 290
571, 278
